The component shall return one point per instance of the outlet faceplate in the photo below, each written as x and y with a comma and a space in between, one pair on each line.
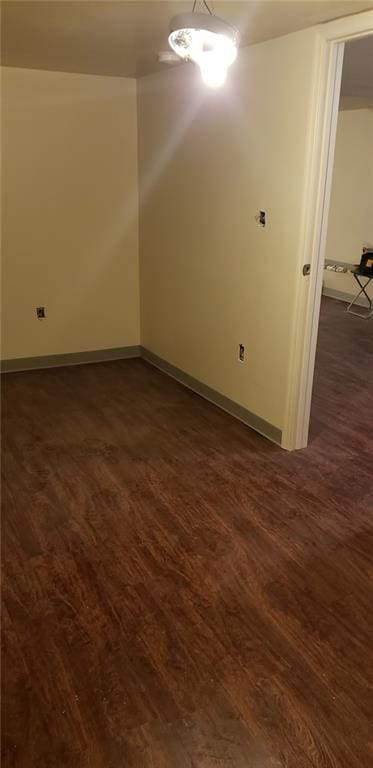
241, 353
40, 313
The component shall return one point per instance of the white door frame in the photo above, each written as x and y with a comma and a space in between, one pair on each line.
324, 114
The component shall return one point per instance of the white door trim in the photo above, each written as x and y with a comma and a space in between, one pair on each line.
323, 123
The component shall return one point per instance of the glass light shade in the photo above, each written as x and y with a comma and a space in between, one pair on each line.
187, 43
208, 41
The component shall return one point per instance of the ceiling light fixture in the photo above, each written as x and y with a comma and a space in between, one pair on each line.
206, 40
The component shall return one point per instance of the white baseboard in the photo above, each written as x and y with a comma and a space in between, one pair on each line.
342, 296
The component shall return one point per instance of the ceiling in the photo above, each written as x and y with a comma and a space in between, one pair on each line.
357, 74
122, 38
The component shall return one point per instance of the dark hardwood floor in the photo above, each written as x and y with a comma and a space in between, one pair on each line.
178, 592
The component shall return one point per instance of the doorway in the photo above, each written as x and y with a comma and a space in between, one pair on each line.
335, 39
343, 376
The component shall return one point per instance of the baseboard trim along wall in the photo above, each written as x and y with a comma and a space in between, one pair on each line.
70, 358
238, 411
122, 353
341, 296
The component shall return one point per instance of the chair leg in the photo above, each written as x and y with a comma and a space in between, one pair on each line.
365, 313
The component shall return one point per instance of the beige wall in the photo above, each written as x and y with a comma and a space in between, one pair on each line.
209, 160
70, 229
350, 224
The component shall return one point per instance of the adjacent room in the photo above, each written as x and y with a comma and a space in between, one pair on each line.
342, 394
187, 573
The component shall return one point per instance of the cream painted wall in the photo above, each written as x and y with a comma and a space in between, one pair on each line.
70, 212
350, 224
208, 161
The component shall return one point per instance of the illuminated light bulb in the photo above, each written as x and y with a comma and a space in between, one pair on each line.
227, 50
213, 70
206, 40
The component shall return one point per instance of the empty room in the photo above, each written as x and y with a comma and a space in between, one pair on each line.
187, 378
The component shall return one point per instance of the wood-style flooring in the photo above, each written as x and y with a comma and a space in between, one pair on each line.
179, 592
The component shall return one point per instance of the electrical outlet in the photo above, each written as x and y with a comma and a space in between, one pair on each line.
241, 353
40, 313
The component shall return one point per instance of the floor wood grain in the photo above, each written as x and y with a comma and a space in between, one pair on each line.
178, 592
